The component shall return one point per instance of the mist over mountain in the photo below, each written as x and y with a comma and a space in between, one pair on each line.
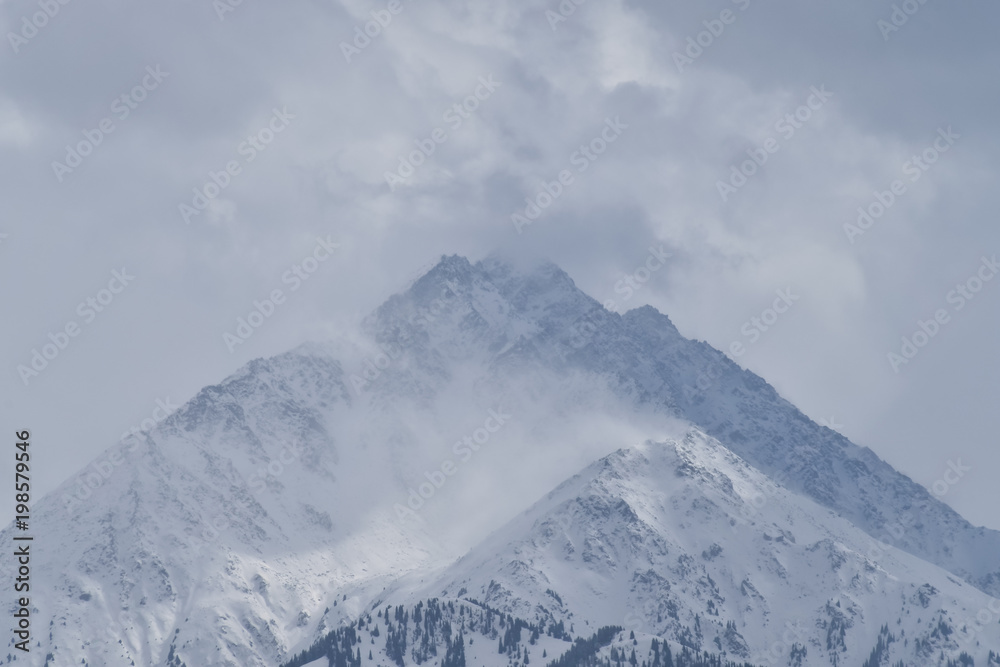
495, 441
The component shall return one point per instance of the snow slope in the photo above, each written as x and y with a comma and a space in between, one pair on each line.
223, 535
685, 541
524, 321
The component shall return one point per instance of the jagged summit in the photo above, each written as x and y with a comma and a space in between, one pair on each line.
226, 533
513, 318
650, 319
505, 316
529, 287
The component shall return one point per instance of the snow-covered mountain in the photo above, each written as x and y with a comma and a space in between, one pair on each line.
542, 321
685, 540
308, 489
219, 533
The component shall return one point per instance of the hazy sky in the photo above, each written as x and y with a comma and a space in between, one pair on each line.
113, 114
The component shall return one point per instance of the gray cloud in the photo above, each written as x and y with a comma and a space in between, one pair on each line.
325, 175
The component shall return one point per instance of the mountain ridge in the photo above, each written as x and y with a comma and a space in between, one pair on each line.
625, 344
232, 524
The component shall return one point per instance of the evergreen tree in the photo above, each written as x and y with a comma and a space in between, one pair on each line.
455, 654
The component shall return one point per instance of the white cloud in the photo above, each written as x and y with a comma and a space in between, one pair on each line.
656, 185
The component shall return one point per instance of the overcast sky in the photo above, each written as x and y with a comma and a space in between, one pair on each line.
112, 114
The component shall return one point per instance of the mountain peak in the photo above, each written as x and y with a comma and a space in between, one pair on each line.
450, 267
683, 539
463, 308
649, 317
289, 478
